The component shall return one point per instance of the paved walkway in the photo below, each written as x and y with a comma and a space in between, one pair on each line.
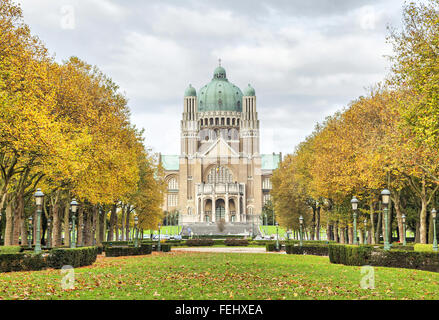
224, 250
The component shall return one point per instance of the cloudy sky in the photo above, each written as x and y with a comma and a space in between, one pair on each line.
306, 59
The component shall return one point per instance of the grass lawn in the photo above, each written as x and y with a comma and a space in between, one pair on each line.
220, 276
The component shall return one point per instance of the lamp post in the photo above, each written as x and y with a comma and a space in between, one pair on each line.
1, 225
277, 236
365, 231
433, 213
136, 235
158, 246
301, 230
39, 198
404, 241
49, 235
70, 232
73, 207
30, 232
385, 195
354, 203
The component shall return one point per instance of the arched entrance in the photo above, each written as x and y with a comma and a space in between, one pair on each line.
220, 210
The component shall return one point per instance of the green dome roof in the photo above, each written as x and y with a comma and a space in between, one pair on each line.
190, 92
220, 94
249, 91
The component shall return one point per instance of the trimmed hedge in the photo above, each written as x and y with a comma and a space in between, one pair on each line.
376, 256
10, 249
164, 247
236, 242
271, 247
76, 257
143, 249
10, 262
315, 250
200, 242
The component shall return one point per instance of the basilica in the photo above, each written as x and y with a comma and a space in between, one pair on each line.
219, 174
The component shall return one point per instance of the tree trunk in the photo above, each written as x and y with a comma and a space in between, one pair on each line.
399, 213
113, 221
56, 225
379, 225
336, 237
66, 223
9, 223
18, 219
351, 234
361, 236
423, 220
81, 214
127, 223
313, 223
88, 227
417, 233
94, 225
318, 223
372, 222
342, 235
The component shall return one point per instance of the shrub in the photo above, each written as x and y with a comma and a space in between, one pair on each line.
419, 247
144, 249
236, 242
349, 254
316, 250
271, 247
428, 261
200, 242
76, 257
165, 247
377, 256
21, 262
10, 249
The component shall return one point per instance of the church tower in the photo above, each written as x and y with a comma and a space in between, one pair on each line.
219, 174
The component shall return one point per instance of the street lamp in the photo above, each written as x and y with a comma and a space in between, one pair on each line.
433, 213
385, 195
365, 231
74, 208
39, 199
136, 220
277, 236
354, 203
49, 235
301, 230
404, 242
30, 232
1, 225
158, 246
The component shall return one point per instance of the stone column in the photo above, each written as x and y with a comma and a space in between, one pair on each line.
202, 209
213, 209
238, 209
227, 208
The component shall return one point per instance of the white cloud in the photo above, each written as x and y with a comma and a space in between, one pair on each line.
305, 59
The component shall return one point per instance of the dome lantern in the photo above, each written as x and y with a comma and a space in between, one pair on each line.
220, 94
249, 91
190, 92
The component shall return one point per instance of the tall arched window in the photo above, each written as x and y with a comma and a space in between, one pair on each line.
173, 184
220, 175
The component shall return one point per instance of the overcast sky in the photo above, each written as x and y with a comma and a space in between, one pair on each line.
306, 59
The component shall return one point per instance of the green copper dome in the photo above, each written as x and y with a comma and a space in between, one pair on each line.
220, 94
249, 91
190, 92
